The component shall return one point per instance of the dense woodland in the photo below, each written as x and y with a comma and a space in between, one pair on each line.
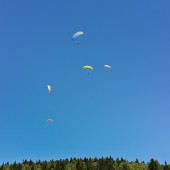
86, 164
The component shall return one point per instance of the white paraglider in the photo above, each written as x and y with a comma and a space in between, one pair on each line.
49, 88
107, 66
50, 120
77, 34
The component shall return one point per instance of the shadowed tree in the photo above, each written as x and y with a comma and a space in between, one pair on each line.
136, 161
166, 166
153, 165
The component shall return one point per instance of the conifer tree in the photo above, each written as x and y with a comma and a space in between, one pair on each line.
153, 165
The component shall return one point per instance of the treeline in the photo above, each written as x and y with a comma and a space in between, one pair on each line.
107, 163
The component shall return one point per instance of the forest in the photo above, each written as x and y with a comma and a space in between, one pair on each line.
107, 163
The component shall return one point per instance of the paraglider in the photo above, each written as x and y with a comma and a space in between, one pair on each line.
50, 120
77, 34
49, 88
107, 66
88, 68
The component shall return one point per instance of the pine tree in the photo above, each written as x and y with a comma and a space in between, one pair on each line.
153, 165
166, 167
136, 161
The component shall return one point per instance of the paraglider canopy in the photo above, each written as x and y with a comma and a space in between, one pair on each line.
88, 67
49, 88
77, 34
50, 120
107, 66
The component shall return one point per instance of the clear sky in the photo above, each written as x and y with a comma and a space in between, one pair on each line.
122, 113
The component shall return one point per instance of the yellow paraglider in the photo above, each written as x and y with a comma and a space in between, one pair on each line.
88, 67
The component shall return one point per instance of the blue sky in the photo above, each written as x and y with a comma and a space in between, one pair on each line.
122, 113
